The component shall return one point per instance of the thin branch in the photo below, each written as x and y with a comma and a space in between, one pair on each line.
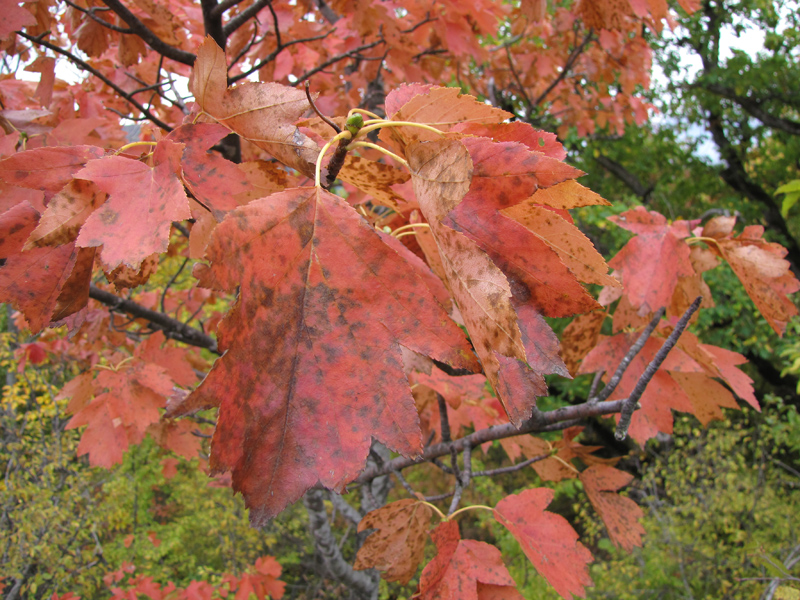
511, 469
626, 177
244, 16
463, 481
598, 377
334, 59
94, 17
753, 106
522, 90
404, 483
576, 52
86, 67
172, 328
152, 40
272, 55
542, 422
630, 403
348, 511
363, 583
629, 356
316, 110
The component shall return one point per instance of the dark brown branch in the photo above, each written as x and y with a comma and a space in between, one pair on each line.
630, 403
629, 356
327, 12
243, 17
528, 103
172, 328
212, 22
86, 67
316, 110
626, 177
152, 40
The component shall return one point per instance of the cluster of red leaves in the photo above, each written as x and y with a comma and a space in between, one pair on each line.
334, 317
261, 581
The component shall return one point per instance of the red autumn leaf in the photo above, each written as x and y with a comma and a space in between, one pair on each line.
326, 302
620, 515
539, 141
548, 540
48, 169
579, 337
760, 266
176, 436
130, 231
33, 281
465, 570
454, 389
398, 545
13, 17
649, 279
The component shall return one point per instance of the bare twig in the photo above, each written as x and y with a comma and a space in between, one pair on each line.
86, 67
629, 356
511, 469
316, 110
630, 403
272, 55
336, 58
576, 52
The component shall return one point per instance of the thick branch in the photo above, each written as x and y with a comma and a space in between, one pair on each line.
172, 328
87, 67
212, 22
244, 16
753, 106
626, 177
363, 583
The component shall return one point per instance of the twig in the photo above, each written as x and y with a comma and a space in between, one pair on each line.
629, 356
404, 483
272, 55
316, 110
598, 377
337, 58
511, 469
576, 52
243, 17
463, 481
630, 404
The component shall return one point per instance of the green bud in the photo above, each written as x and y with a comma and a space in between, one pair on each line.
354, 123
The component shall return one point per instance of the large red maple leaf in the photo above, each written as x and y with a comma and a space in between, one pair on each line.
313, 369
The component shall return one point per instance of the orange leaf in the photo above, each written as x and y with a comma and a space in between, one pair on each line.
620, 515
398, 546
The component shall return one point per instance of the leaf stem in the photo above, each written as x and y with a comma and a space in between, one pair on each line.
442, 516
707, 240
409, 226
135, 144
389, 153
363, 112
466, 508
369, 128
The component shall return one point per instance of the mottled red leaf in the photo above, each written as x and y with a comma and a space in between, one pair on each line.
548, 540
323, 300
32, 281
465, 570
129, 229
214, 181
16, 224
47, 169
66, 213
